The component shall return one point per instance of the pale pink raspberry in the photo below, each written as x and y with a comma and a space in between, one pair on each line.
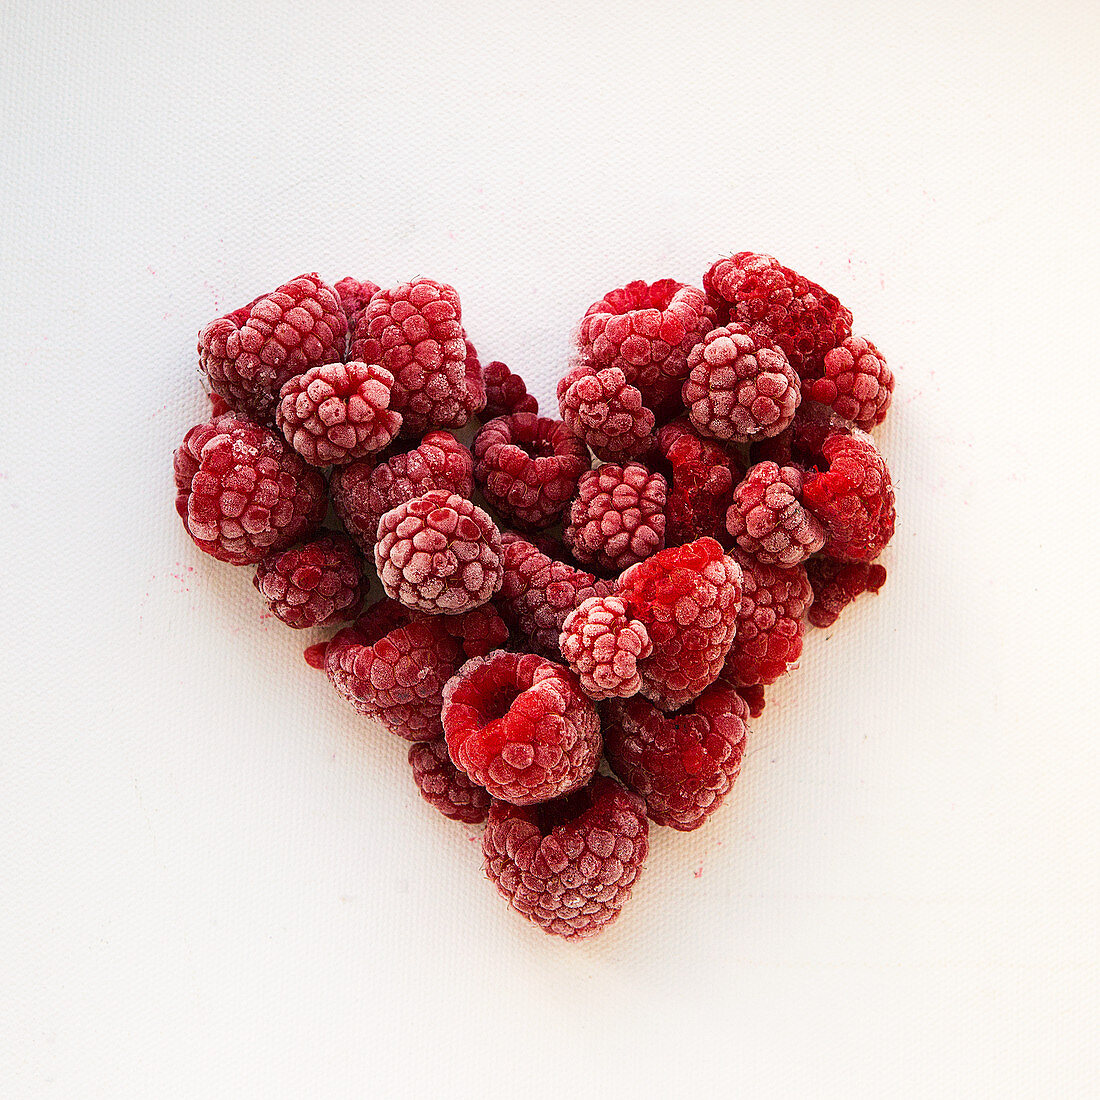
602, 644
767, 519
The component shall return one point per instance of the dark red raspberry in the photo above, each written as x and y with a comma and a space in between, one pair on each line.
647, 331
754, 699
320, 582
355, 294
480, 630
338, 412
439, 553
506, 393
519, 726
444, 786
602, 644
242, 492
476, 392
569, 865
365, 490
786, 308
837, 583
250, 353
739, 389
800, 444
603, 409
853, 498
618, 516
687, 597
683, 765
769, 622
527, 467
702, 476
856, 384
767, 520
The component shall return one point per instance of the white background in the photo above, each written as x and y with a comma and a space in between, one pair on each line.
217, 882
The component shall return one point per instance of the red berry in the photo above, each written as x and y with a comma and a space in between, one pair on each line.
319, 582
767, 519
837, 583
702, 476
506, 393
603, 409
444, 786
602, 644
856, 383
355, 294
753, 695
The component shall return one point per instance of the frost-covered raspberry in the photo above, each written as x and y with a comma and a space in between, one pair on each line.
338, 412
364, 491
355, 294
739, 389
248, 354
702, 476
687, 597
446, 788
800, 444
618, 516
856, 383
242, 492
753, 694
505, 392
769, 622
683, 765
439, 553
569, 865
527, 466
647, 331
767, 520
837, 583
319, 582
603, 409
602, 644
519, 726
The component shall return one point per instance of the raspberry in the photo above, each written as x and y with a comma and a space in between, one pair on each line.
480, 631
800, 444
242, 492
687, 597
444, 786
769, 622
767, 519
527, 467
618, 516
519, 726
754, 699
857, 383
786, 309
365, 490
837, 583
569, 865
320, 582
602, 645
338, 412
703, 476
647, 331
853, 497
739, 389
355, 294
603, 409
438, 553
683, 765
250, 353
476, 393
506, 393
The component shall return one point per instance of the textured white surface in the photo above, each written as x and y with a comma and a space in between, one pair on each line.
216, 884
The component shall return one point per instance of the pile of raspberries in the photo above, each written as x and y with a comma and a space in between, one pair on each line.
577, 616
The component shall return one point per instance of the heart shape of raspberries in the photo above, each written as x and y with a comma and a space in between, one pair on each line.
711, 467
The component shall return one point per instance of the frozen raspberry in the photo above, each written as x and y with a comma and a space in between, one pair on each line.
569, 865
480, 630
527, 467
603, 409
250, 353
618, 516
739, 389
683, 765
365, 490
602, 645
338, 412
320, 582
355, 294
857, 384
769, 622
837, 583
753, 695
519, 726
444, 786
785, 308
506, 393
438, 553
853, 497
800, 444
476, 393
687, 597
767, 520
702, 476
647, 331
242, 492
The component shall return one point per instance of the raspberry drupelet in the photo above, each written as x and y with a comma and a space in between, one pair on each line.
684, 764
505, 392
603, 409
856, 383
767, 519
569, 865
319, 582
602, 644
248, 354
446, 788
519, 726
836, 584
438, 553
